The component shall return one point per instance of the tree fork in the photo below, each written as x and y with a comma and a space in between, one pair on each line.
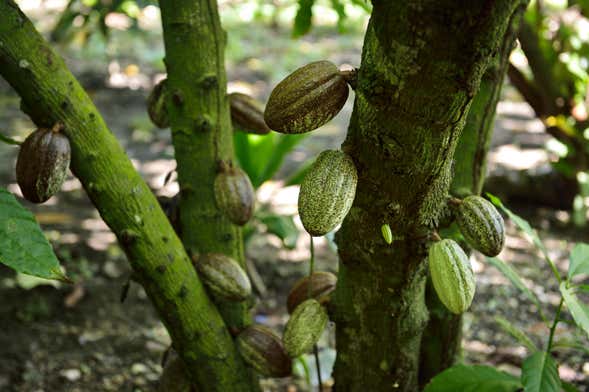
421, 67
50, 93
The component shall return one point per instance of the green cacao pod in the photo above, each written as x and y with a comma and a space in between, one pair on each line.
223, 276
387, 234
304, 328
481, 225
246, 114
234, 194
451, 275
307, 98
175, 377
327, 192
42, 164
156, 105
318, 286
263, 350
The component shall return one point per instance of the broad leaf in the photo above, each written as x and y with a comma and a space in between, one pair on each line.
280, 149
517, 333
540, 373
578, 309
515, 279
473, 379
579, 260
304, 18
283, 227
23, 245
568, 387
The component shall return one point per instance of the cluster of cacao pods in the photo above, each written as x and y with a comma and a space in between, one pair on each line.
234, 193
223, 276
327, 192
483, 228
42, 163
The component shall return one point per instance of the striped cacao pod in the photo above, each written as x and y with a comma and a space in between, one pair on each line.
234, 194
307, 98
304, 328
481, 225
263, 350
42, 164
451, 275
318, 286
327, 192
223, 276
246, 114
156, 105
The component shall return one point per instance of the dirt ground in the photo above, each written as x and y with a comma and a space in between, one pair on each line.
82, 338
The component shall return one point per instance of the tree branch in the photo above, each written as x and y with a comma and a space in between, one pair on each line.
50, 93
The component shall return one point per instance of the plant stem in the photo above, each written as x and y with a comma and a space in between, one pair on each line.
318, 365
8, 140
554, 324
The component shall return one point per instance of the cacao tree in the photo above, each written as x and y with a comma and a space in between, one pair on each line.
422, 65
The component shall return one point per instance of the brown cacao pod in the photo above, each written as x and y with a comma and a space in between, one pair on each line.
318, 286
481, 225
307, 98
263, 350
175, 377
223, 276
42, 164
156, 105
234, 194
327, 192
304, 328
452, 275
246, 114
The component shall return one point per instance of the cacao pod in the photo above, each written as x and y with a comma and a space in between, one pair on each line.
304, 328
246, 114
42, 164
223, 276
387, 234
156, 105
481, 225
263, 350
175, 377
327, 192
306, 99
451, 275
318, 286
234, 194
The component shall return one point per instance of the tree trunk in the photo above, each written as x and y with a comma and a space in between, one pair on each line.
421, 67
441, 342
50, 93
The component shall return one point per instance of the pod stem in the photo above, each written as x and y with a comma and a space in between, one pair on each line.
454, 202
351, 77
318, 365
57, 127
435, 236
315, 348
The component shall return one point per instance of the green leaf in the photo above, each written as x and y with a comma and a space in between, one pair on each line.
282, 146
304, 18
283, 227
340, 9
297, 177
568, 387
540, 373
514, 278
517, 333
473, 379
579, 260
579, 310
23, 246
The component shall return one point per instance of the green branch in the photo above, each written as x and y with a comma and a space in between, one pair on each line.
51, 93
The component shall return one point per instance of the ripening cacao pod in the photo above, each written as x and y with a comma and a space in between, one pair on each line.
451, 275
327, 192
42, 164
304, 327
234, 194
175, 377
307, 98
318, 286
223, 276
156, 105
263, 350
481, 225
246, 114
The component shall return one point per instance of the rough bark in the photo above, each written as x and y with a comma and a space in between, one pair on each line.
50, 93
421, 66
441, 342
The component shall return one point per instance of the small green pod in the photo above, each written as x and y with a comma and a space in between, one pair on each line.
481, 225
387, 234
452, 275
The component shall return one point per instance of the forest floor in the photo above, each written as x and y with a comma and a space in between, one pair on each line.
82, 338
